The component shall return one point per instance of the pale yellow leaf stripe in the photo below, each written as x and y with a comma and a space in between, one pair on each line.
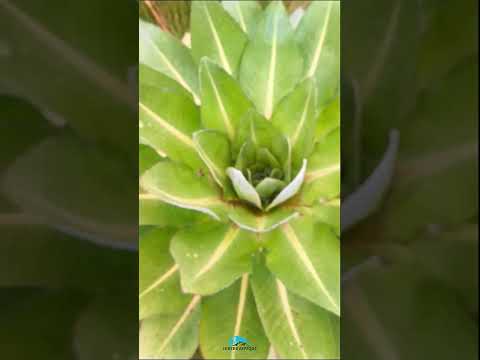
303, 118
198, 204
230, 235
226, 120
177, 76
217, 174
161, 279
317, 174
218, 43
188, 311
282, 293
321, 41
240, 309
168, 127
240, 16
297, 246
271, 73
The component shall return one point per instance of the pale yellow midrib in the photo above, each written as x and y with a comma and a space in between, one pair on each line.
226, 119
218, 43
161, 279
292, 238
219, 251
168, 127
271, 73
303, 118
216, 173
321, 41
315, 175
240, 15
206, 201
179, 323
282, 293
240, 308
174, 71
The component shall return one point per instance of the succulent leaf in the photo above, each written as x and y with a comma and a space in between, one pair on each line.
223, 102
216, 35
168, 117
245, 12
304, 255
296, 328
322, 180
212, 256
232, 312
240, 175
171, 336
178, 185
159, 279
272, 63
164, 53
319, 36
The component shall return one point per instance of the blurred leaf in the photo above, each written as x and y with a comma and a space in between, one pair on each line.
44, 321
33, 255
398, 313
442, 170
107, 329
74, 59
63, 199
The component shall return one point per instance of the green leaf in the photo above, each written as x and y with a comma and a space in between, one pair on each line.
260, 132
245, 12
216, 35
214, 149
305, 255
295, 116
147, 157
212, 256
34, 183
223, 102
94, 57
153, 211
296, 328
159, 279
437, 180
45, 320
272, 63
291, 189
318, 34
232, 312
322, 179
162, 52
389, 299
168, 117
269, 186
178, 185
171, 336
327, 212
261, 222
106, 329
328, 119
243, 188
37, 256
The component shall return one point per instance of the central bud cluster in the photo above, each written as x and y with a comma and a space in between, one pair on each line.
261, 178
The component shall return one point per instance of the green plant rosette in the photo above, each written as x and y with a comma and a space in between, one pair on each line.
240, 184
